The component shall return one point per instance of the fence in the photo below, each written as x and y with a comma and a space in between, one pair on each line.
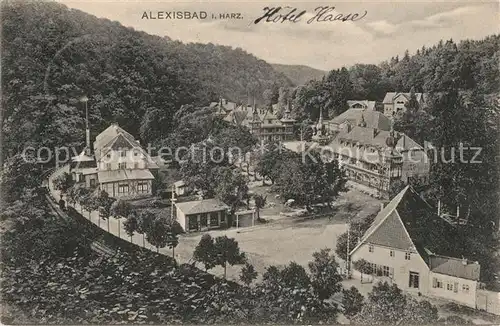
488, 301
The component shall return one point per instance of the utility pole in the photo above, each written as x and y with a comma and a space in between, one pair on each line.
85, 99
172, 204
348, 239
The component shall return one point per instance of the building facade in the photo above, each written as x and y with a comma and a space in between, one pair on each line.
202, 215
119, 165
395, 103
403, 246
375, 157
262, 122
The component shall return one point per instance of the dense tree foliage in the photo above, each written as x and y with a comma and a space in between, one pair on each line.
248, 274
387, 305
54, 55
352, 301
357, 228
325, 278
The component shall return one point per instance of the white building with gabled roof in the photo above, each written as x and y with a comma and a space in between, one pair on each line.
120, 165
408, 244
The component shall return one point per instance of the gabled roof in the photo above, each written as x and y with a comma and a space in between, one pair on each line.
373, 119
455, 267
269, 115
82, 157
114, 137
224, 105
376, 138
408, 222
369, 105
109, 134
201, 206
390, 96
124, 174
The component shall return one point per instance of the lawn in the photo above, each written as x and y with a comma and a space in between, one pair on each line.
287, 239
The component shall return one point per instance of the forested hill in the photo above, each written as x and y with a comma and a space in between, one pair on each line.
299, 74
129, 77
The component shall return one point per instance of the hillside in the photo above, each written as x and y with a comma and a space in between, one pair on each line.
299, 74
130, 77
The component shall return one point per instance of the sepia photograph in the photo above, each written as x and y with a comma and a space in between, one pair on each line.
250, 162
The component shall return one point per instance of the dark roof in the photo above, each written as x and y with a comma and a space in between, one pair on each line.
455, 267
124, 174
409, 222
390, 233
201, 206
373, 119
389, 97
370, 105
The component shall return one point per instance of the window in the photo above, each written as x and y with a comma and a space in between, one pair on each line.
122, 165
370, 248
449, 286
455, 287
436, 283
414, 280
136, 165
465, 288
136, 153
142, 187
123, 153
108, 156
391, 253
108, 166
92, 182
123, 188
407, 256
385, 271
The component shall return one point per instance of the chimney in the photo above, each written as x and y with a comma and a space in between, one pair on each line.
464, 261
381, 206
458, 211
439, 207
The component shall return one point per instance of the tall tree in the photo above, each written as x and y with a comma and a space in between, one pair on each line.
325, 278
260, 202
387, 305
352, 301
227, 251
157, 234
205, 252
174, 230
248, 274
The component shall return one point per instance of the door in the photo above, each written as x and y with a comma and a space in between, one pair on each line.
414, 280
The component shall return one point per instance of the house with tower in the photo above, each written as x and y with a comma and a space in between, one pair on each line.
373, 154
262, 122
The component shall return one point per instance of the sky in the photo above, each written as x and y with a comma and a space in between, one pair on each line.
387, 29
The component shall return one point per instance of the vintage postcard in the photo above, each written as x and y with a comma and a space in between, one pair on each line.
250, 162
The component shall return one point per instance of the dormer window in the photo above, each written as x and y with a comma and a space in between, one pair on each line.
123, 153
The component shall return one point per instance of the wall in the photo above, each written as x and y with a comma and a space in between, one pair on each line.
488, 301
112, 188
401, 267
460, 296
89, 177
181, 218
131, 157
244, 219
415, 163
388, 108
